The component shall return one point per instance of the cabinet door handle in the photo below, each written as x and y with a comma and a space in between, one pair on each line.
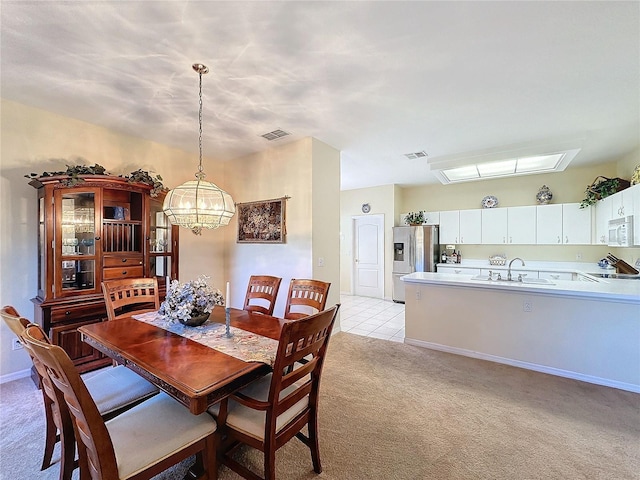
124, 260
68, 312
559, 241
97, 238
510, 239
124, 272
504, 240
566, 239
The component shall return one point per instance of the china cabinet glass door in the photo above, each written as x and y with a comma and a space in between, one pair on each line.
161, 245
78, 246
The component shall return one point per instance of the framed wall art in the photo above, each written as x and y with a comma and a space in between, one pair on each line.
262, 222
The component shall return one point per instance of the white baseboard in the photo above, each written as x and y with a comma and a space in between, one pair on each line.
630, 387
9, 377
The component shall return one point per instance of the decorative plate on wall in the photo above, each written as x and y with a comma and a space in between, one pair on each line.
489, 201
366, 208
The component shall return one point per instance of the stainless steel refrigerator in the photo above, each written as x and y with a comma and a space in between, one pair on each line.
415, 249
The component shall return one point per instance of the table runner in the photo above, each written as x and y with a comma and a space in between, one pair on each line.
244, 345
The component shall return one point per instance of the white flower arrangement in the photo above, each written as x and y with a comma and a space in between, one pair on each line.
191, 299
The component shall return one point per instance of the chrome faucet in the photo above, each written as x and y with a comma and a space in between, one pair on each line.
509, 271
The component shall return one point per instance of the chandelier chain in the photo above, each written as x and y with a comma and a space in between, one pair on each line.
200, 124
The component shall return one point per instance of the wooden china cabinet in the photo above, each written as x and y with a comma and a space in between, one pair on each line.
102, 228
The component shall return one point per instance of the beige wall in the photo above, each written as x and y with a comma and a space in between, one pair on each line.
307, 171
34, 140
382, 201
326, 217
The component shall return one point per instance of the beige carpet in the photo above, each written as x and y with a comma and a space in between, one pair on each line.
393, 411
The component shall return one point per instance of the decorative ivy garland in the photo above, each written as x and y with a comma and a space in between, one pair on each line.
74, 172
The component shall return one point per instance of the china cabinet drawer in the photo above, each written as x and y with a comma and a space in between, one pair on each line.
131, 271
122, 261
67, 313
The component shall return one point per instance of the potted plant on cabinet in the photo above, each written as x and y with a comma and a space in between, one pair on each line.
414, 218
601, 188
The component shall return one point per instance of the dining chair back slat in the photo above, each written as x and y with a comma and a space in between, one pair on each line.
305, 297
130, 295
262, 291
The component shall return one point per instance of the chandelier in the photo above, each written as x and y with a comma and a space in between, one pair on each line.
199, 204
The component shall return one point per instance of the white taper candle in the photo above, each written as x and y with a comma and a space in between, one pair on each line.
226, 298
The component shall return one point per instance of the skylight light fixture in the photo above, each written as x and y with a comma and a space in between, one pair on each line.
499, 164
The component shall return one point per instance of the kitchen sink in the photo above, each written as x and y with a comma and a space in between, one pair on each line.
532, 281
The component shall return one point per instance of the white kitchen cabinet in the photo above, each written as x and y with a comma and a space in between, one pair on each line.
603, 213
450, 226
576, 224
623, 203
635, 201
549, 224
470, 227
521, 222
431, 218
494, 226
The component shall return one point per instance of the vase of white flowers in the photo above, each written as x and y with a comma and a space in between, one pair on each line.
190, 303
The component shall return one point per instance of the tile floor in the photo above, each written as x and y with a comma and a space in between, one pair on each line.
372, 317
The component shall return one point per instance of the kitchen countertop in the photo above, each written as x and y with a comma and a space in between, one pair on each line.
615, 290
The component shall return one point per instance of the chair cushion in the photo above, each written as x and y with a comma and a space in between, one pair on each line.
252, 422
153, 430
114, 388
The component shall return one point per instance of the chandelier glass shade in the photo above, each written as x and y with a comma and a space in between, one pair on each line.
199, 204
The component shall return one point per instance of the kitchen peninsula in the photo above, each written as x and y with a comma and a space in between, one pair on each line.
588, 331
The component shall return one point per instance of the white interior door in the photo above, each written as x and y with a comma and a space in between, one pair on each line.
368, 266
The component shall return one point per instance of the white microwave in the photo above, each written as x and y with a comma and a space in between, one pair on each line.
621, 232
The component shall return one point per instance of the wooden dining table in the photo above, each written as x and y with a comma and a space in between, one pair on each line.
196, 375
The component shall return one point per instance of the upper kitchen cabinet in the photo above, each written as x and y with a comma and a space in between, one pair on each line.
563, 224
461, 226
494, 226
603, 213
623, 202
101, 228
522, 225
450, 226
576, 224
512, 225
549, 224
470, 226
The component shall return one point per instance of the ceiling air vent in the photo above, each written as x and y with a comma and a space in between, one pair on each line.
413, 156
276, 134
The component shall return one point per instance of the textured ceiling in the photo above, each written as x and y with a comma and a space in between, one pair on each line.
372, 79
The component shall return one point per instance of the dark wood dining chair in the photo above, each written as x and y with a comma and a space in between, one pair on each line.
261, 294
114, 390
305, 297
138, 444
127, 296
272, 410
